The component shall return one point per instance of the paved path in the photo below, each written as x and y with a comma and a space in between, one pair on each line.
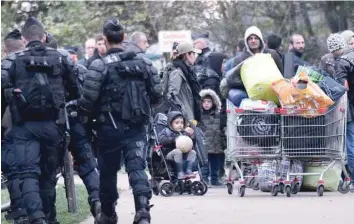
217, 207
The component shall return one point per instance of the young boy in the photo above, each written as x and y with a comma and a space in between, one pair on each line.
214, 135
167, 138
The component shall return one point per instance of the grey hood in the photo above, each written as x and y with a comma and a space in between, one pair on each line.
253, 30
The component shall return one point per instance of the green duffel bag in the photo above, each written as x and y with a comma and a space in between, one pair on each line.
331, 177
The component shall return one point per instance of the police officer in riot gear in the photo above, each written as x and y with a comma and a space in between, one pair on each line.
81, 149
35, 83
119, 90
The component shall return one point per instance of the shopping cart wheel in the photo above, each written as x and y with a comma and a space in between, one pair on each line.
255, 185
320, 190
275, 190
242, 191
230, 188
295, 188
167, 189
288, 191
344, 187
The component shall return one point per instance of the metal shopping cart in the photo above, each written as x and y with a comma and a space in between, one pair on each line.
253, 137
315, 137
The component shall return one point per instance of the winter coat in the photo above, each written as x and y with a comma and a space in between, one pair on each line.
328, 64
214, 136
345, 71
167, 137
91, 59
233, 77
201, 58
180, 93
298, 61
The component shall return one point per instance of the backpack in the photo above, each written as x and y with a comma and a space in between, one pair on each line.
165, 75
38, 77
127, 92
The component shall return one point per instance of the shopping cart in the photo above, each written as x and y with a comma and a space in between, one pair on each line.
253, 137
315, 137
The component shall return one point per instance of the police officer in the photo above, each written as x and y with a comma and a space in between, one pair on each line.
121, 87
13, 43
81, 149
35, 83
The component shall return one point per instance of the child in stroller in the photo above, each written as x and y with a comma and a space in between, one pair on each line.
167, 162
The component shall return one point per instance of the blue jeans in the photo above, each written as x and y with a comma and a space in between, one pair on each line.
212, 169
350, 148
236, 96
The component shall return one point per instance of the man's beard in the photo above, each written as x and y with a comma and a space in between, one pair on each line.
298, 53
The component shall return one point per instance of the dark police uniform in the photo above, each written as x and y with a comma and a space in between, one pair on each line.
112, 86
34, 83
81, 148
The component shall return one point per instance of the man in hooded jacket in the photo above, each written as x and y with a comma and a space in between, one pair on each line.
253, 44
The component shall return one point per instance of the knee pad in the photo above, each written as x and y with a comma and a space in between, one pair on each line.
86, 163
136, 163
30, 185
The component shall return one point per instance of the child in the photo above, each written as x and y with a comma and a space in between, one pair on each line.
167, 138
214, 135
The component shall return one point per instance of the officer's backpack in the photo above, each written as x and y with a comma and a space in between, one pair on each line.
38, 76
127, 87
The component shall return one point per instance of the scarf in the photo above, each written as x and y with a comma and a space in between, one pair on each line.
193, 84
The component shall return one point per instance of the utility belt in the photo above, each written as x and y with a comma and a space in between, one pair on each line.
114, 119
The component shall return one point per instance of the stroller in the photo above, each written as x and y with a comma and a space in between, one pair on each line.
161, 169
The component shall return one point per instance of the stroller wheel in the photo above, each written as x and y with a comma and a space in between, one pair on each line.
188, 186
205, 188
167, 189
198, 188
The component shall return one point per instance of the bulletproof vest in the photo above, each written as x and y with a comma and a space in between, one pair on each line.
38, 75
125, 88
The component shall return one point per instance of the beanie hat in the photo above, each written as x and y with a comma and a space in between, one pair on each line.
335, 42
347, 35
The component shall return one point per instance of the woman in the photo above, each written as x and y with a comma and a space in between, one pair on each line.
183, 88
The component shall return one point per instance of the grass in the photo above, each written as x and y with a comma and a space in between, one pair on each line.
83, 210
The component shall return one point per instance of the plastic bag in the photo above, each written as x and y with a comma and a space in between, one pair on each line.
331, 177
315, 76
301, 96
258, 73
332, 88
258, 105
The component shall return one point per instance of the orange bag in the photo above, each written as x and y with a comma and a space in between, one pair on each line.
301, 96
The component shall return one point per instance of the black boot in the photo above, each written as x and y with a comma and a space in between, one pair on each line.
103, 219
142, 208
95, 208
